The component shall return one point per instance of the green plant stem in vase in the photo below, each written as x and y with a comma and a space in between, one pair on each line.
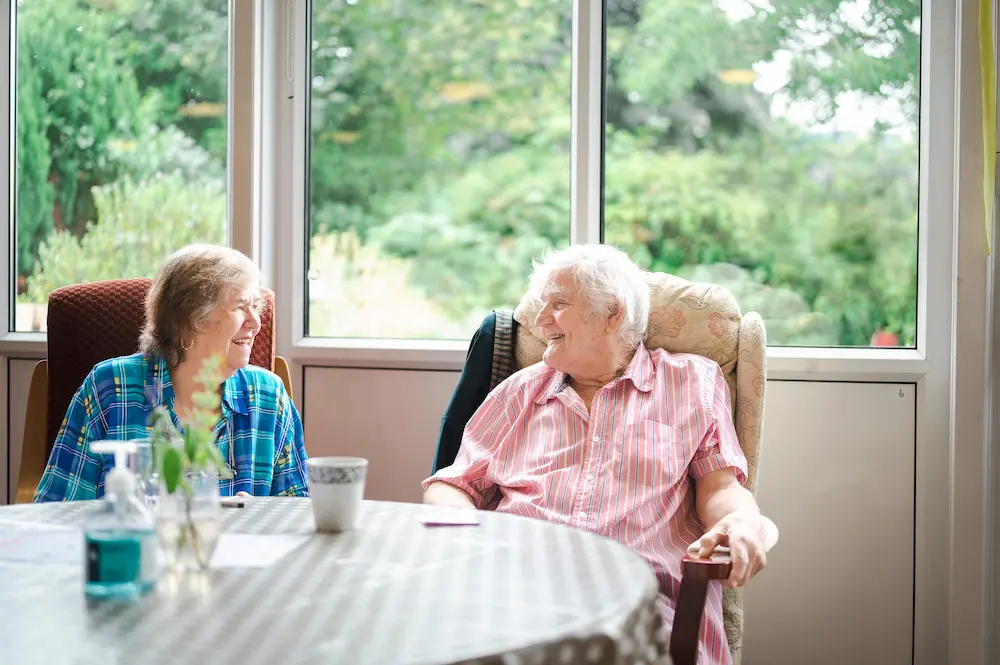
188, 461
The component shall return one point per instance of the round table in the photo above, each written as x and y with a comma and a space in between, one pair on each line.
510, 590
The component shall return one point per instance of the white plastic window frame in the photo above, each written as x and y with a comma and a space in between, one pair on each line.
292, 241
952, 323
244, 228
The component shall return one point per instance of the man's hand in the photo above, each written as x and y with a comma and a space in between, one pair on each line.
444, 494
738, 524
746, 533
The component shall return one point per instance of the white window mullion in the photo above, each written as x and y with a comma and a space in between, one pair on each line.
587, 119
8, 58
293, 240
280, 127
243, 138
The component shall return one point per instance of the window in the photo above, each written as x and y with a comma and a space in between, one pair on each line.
771, 148
121, 139
439, 160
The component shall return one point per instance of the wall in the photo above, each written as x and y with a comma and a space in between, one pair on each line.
837, 476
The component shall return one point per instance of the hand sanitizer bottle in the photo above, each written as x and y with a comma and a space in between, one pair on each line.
120, 538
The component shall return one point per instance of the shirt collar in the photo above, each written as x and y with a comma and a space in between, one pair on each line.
160, 389
236, 393
639, 371
158, 386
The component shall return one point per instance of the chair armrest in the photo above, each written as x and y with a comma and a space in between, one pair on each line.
715, 567
696, 573
33, 445
281, 369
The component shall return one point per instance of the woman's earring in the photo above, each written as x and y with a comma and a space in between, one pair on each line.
188, 346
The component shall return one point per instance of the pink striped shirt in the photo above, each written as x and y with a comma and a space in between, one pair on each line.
622, 471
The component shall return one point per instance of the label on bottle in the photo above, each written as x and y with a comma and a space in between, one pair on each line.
120, 557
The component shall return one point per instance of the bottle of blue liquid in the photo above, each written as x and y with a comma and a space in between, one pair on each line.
120, 538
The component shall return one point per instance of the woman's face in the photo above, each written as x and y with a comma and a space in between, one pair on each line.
230, 330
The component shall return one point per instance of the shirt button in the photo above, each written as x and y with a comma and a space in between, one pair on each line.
590, 476
597, 439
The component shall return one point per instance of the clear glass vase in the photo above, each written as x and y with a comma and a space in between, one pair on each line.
188, 521
143, 464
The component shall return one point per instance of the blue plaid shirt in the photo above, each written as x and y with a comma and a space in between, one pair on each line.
259, 433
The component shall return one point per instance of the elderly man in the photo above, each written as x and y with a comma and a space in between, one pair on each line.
604, 435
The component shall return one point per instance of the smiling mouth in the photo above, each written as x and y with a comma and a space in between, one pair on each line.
553, 338
245, 342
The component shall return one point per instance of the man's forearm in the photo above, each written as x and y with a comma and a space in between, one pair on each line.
445, 494
723, 502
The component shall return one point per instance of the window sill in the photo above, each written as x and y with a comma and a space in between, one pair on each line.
783, 363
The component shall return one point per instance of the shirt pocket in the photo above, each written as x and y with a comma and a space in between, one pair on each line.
649, 454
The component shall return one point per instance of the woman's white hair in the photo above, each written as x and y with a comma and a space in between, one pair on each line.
607, 279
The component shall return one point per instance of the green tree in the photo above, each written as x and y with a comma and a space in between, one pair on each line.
443, 84
138, 225
440, 136
76, 97
836, 47
35, 194
179, 50
663, 74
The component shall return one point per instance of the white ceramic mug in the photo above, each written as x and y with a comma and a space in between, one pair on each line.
337, 487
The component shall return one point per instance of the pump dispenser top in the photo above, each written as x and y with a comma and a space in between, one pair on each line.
120, 480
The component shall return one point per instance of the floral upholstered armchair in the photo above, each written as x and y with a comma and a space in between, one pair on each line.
685, 317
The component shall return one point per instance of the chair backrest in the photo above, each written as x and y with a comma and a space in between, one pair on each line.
688, 317
88, 323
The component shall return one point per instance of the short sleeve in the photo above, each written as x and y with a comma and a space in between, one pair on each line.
720, 447
289, 474
489, 427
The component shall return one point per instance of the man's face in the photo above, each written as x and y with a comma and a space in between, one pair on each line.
579, 343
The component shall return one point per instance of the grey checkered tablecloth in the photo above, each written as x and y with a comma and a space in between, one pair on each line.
510, 590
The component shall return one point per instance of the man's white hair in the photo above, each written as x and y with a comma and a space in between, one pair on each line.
607, 279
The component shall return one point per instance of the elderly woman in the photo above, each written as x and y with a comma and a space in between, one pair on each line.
605, 435
204, 302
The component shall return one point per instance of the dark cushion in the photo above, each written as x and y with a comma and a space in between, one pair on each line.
489, 361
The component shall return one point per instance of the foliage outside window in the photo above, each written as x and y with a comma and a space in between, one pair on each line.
439, 160
769, 147
772, 148
121, 139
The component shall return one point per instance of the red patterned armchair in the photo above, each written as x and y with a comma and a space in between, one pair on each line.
88, 323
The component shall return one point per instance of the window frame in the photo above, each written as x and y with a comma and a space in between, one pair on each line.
789, 363
946, 251
243, 227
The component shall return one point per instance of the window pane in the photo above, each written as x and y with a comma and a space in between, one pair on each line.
772, 148
439, 160
121, 139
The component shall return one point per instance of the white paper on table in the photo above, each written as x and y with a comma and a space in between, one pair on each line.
51, 546
242, 550
439, 516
